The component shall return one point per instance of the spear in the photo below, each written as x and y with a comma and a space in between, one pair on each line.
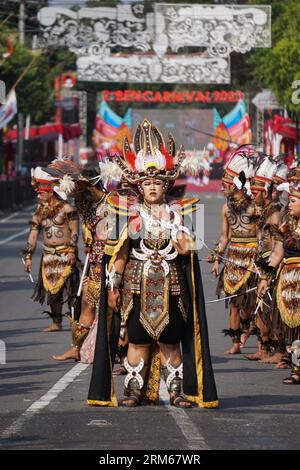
227, 260
29, 273
231, 296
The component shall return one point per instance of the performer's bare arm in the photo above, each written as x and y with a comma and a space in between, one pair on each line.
184, 243
31, 241
275, 220
73, 225
275, 259
277, 254
224, 238
119, 266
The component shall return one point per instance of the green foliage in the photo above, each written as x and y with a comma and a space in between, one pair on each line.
34, 91
277, 68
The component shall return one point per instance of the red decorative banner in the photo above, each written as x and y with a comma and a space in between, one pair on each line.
196, 96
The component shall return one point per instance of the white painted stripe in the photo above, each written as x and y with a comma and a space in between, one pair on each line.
44, 401
195, 440
11, 216
30, 208
14, 214
12, 237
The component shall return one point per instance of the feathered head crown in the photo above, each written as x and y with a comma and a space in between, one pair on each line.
263, 174
281, 174
294, 188
42, 181
151, 158
239, 169
294, 173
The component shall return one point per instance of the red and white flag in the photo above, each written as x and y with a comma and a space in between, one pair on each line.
9, 109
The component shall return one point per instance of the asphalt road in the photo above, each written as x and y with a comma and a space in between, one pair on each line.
43, 408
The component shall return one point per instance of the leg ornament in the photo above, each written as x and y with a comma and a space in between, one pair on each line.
294, 378
79, 333
173, 377
234, 334
134, 383
134, 374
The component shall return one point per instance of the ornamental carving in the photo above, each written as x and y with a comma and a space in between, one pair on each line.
127, 43
220, 29
143, 69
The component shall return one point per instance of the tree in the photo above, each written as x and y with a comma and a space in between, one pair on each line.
277, 68
34, 92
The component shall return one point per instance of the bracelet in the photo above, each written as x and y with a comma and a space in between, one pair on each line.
215, 255
28, 256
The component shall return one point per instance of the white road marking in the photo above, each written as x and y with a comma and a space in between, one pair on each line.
12, 237
99, 422
11, 216
14, 214
44, 401
29, 209
195, 440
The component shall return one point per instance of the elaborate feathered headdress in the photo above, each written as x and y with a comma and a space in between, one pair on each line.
41, 180
294, 173
151, 158
294, 188
239, 169
281, 174
263, 174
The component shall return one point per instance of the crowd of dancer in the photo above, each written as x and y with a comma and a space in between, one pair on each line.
260, 248
138, 295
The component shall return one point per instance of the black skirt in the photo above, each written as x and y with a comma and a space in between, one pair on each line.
172, 333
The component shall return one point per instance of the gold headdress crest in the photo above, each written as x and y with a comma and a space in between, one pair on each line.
151, 158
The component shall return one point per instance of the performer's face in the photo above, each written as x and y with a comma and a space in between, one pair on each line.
44, 196
275, 194
258, 197
153, 190
294, 206
226, 188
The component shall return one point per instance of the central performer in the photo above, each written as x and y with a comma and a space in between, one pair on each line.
153, 281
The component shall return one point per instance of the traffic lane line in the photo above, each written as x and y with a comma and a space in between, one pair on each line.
14, 214
195, 440
13, 237
44, 401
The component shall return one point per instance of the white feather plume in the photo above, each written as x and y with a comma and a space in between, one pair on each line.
60, 193
110, 171
283, 187
238, 163
282, 171
237, 182
266, 169
193, 163
67, 185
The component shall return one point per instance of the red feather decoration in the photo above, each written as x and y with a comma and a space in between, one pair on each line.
130, 158
169, 162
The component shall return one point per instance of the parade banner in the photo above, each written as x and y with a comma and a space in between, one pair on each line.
185, 96
110, 129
